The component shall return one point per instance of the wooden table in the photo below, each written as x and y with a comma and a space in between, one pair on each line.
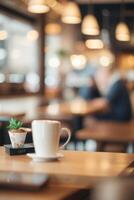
18, 115
71, 112
74, 107
105, 132
74, 171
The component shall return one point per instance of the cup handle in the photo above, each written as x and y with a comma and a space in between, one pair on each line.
69, 136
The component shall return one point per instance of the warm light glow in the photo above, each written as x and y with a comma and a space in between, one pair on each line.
126, 61
131, 60
53, 109
52, 3
54, 62
3, 34
122, 32
90, 25
32, 35
106, 58
78, 61
94, 44
78, 105
105, 61
71, 13
38, 6
52, 29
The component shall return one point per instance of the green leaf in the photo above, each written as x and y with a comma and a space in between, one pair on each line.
14, 124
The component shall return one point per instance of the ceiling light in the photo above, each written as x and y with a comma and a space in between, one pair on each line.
38, 6
52, 29
78, 61
71, 13
32, 35
90, 25
106, 58
104, 61
3, 34
122, 32
54, 62
94, 44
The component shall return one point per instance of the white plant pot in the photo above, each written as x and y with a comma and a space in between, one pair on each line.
17, 139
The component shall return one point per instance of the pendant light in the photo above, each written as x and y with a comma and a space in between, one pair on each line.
38, 6
71, 13
94, 44
90, 25
122, 32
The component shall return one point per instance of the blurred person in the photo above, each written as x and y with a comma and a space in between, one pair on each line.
90, 91
112, 102
112, 99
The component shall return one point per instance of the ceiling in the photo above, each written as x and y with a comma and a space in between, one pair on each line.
103, 1
107, 12
21, 4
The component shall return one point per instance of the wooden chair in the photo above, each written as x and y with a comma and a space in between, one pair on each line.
110, 136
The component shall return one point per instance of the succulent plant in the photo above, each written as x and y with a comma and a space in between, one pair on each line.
14, 124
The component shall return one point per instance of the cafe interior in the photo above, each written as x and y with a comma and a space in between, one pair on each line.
67, 66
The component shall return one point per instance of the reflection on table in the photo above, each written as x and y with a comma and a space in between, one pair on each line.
76, 170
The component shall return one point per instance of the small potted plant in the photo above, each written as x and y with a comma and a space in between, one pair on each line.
17, 133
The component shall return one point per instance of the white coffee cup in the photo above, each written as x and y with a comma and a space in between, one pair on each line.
46, 136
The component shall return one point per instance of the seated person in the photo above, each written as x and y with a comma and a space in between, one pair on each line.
112, 98
90, 91
112, 103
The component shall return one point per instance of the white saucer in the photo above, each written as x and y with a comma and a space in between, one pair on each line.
46, 158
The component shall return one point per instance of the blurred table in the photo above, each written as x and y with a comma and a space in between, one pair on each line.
75, 107
105, 132
18, 115
75, 171
73, 111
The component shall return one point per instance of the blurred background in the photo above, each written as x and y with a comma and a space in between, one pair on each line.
50, 49
54, 53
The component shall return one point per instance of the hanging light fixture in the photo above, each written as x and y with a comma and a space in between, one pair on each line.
71, 13
32, 35
122, 31
94, 44
38, 6
90, 24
